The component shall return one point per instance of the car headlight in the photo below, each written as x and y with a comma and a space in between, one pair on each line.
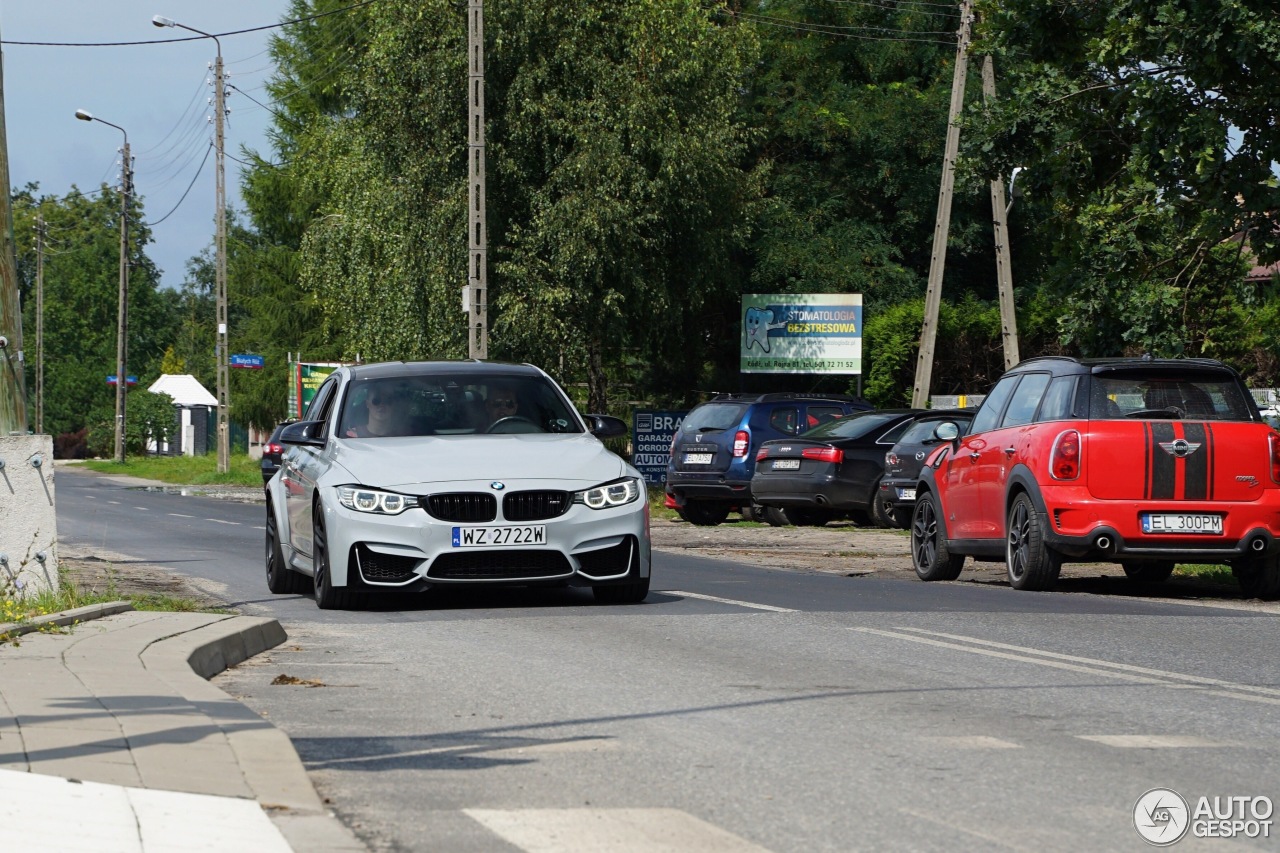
372, 500
613, 494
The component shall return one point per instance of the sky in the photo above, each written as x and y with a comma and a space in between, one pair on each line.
159, 94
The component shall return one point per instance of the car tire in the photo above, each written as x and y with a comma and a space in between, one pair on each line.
1259, 577
1030, 562
776, 516
281, 580
860, 517
705, 513
625, 593
929, 553
328, 596
881, 510
1148, 571
754, 512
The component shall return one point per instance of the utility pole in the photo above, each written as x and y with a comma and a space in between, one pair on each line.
1004, 264
13, 401
40, 231
942, 226
222, 354
476, 293
122, 315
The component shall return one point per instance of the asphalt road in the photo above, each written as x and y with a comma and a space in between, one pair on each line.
739, 708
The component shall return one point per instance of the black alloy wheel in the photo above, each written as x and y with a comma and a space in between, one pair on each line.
281, 580
929, 553
328, 597
1031, 563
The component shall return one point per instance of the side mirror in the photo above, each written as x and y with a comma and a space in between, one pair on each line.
606, 426
309, 433
946, 431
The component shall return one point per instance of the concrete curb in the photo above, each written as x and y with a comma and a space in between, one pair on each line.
65, 618
266, 756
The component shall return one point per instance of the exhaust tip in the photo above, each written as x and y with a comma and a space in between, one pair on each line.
1258, 544
1103, 543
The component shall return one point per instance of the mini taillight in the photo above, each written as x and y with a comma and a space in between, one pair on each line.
1064, 461
762, 453
824, 454
741, 442
1274, 441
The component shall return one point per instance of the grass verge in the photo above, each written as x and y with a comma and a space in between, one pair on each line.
20, 611
184, 470
1214, 574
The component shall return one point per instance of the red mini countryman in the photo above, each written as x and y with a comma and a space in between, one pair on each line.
1142, 462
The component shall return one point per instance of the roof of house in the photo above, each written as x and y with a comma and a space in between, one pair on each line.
185, 390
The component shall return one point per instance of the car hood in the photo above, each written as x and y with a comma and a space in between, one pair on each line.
425, 464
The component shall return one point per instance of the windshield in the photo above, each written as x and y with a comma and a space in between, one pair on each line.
854, 426
454, 405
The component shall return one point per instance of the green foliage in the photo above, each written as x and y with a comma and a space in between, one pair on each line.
1149, 132
150, 418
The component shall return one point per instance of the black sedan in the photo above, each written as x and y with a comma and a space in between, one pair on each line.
830, 471
271, 452
902, 464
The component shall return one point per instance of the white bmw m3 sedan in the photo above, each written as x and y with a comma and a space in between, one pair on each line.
408, 475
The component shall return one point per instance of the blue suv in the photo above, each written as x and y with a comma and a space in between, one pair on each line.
713, 454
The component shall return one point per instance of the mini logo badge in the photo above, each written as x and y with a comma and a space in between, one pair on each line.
1161, 817
496, 486
1179, 447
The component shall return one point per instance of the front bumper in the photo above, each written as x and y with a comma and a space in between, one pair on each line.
414, 550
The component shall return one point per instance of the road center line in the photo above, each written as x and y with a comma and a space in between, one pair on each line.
1240, 691
220, 521
1159, 673
733, 601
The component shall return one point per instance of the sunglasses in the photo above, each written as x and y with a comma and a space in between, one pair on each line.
384, 400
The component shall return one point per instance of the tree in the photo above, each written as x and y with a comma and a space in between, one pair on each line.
1150, 132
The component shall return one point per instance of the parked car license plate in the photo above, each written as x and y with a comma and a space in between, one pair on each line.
1181, 522
906, 494
698, 458
786, 464
493, 537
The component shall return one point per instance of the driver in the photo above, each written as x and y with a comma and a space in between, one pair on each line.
387, 413
501, 403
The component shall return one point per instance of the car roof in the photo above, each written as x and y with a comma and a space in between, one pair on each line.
397, 369
1063, 365
783, 396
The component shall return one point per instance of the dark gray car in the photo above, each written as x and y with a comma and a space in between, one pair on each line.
903, 462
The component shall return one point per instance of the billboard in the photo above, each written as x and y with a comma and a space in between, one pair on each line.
651, 433
801, 333
306, 380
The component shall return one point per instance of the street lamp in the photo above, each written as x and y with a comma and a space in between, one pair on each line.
220, 278
122, 316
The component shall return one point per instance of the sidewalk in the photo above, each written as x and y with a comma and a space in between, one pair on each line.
112, 739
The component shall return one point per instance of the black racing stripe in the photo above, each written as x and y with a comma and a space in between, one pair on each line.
1146, 461
1195, 471
1164, 469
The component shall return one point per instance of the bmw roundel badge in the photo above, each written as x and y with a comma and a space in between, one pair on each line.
496, 486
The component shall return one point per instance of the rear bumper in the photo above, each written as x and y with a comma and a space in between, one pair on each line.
709, 487
826, 492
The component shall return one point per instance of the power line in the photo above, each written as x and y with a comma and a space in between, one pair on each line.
188, 38
184, 194
831, 29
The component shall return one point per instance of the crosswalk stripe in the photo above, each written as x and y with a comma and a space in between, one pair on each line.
609, 831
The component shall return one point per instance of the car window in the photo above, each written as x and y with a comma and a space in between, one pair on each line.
713, 416
921, 432
894, 435
322, 403
1026, 399
1194, 395
819, 415
854, 426
1057, 400
785, 419
989, 414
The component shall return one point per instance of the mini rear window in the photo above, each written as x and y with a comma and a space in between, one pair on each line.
1151, 394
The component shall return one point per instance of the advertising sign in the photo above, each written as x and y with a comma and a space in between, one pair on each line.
802, 333
307, 379
651, 434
